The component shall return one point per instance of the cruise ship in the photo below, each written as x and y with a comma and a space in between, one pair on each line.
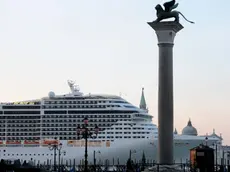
27, 128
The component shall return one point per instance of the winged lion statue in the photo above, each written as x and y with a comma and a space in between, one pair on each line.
169, 12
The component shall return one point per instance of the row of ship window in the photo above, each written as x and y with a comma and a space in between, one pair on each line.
21, 121
21, 125
26, 116
74, 133
20, 130
80, 106
73, 102
126, 128
24, 121
38, 130
83, 116
71, 125
57, 121
36, 126
75, 120
50, 125
69, 128
20, 117
65, 112
66, 138
21, 112
33, 125
128, 132
73, 138
82, 102
63, 133
120, 137
21, 134
91, 112
21, 107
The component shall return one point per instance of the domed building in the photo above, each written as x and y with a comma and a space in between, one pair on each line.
189, 129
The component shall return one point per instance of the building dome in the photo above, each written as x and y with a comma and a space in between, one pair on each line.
189, 130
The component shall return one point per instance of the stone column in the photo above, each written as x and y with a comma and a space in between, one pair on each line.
166, 32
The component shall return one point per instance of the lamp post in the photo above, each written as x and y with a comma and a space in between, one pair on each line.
55, 147
84, 133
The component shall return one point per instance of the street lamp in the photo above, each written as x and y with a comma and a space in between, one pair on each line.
55, 147
84, 133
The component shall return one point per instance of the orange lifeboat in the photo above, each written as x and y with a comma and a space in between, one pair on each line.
50, 142
1, 143
31, 142
13, 142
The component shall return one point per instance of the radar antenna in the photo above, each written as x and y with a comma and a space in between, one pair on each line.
73, 87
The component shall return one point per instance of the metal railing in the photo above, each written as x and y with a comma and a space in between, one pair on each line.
106, 167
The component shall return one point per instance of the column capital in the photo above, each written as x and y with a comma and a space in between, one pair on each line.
166, 31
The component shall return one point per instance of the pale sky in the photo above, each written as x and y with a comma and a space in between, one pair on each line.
106, 46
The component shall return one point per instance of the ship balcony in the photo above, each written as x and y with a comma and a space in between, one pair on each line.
22, 131
37, 137
15, 127
142, 116
23, 122
80, 121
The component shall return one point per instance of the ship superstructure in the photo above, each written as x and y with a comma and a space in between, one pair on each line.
56, 117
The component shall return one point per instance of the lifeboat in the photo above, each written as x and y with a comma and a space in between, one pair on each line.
31, 142
13, 142
2, 143
50, 142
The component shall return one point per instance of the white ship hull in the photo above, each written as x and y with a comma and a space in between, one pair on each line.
118, 150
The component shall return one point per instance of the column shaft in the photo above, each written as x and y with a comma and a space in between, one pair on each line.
165, 103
